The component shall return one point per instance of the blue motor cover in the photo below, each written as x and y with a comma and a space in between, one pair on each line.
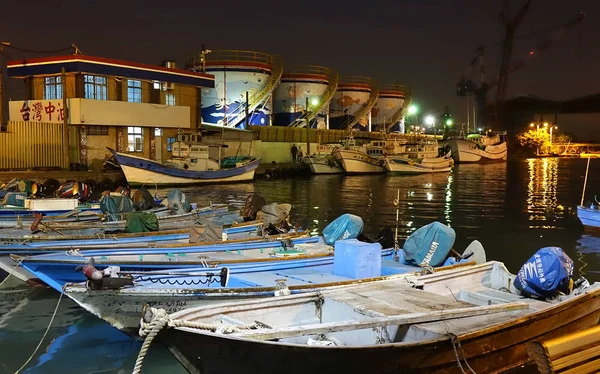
346, 226
429, 245
545, 274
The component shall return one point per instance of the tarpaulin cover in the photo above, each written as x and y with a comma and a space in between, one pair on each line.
346, 226
14, 198
113, 205
274, 213
207, 231
142, 199
141, 222
545, 274
227, 219
17, 185
178, 202
429, 245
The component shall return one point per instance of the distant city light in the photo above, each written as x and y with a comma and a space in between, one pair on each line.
315, 101
479, 129
412, 109
430, 120
449, 122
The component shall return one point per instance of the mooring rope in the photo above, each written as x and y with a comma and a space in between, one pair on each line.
456, 343
11, 272
45, 333
160, 319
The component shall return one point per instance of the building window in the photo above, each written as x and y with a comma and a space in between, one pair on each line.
169, 99
134, 91
170, 142
157, 131
156, 85
135, 139
52, 88
97, 130
95, 87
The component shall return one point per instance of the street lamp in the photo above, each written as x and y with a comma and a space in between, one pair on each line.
552, 128
430, 120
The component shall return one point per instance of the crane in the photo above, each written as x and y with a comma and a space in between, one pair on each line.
466, 86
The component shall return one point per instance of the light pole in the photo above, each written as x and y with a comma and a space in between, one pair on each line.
314, 102
552, 128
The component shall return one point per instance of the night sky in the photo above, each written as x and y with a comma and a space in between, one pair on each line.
426, 44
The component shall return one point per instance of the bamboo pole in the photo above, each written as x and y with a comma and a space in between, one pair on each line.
585, 180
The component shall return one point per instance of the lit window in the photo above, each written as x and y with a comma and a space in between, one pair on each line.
169, 99
170, 142
156, 85
52, 88
95, 87
135, 139
157, 131
134, 91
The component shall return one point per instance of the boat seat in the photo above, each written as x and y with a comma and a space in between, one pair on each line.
481, 295
307, 275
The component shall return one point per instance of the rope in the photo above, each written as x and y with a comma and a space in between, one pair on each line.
11, 272
456, 342
44, 336
160, 319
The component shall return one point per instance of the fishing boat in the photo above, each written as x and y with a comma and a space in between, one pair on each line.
588, 215
479, 148
58, 268
323, 162
417, 158
192, 165
464, 319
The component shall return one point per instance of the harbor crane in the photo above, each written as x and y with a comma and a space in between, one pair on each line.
467, 87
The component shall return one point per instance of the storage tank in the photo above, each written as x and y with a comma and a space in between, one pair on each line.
300, 85
387, 113
244, 82
351, 104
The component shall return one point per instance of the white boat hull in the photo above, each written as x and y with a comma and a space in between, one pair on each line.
323, 165
356, 162
139, 176
405, 166
464, 151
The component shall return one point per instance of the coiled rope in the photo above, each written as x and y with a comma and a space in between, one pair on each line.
160, 319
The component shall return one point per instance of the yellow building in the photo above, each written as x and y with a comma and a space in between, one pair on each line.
130, 107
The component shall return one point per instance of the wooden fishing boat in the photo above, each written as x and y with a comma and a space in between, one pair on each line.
446, 322
248, 278
193, 169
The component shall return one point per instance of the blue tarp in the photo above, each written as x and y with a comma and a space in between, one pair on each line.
546, 273
429, 245
346, 226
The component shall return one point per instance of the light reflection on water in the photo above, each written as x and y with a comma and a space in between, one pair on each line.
512, 208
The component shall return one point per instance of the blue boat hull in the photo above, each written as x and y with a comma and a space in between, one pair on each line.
589, 217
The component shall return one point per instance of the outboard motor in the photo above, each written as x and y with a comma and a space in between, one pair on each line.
546, 274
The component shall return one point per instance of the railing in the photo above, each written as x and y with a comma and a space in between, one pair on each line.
366, 109
400, 88
236, 55
308, 69
307, 116
32, 144
356, 80
402, 112
259, 97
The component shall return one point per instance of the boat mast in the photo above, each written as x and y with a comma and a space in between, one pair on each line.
585, 180
225, 111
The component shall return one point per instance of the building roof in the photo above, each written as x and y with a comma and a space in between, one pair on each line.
104, 66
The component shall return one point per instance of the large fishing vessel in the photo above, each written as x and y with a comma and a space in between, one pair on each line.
479, 148
417, 158
323, 161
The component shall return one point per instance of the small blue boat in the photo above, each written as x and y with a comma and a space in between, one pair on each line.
589, 216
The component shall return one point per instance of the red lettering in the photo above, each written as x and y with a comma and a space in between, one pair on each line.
37, 108
49, 110
25, 111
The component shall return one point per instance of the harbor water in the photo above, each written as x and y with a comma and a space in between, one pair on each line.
512, 208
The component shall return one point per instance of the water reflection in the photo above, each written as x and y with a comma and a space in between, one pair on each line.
542, 187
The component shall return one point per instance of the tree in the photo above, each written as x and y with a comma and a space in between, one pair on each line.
538, 140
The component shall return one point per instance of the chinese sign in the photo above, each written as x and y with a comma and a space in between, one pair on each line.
37, 111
